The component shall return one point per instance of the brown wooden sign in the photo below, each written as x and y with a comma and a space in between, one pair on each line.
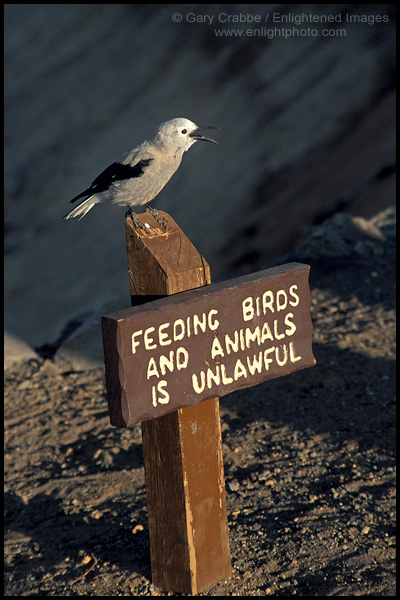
180, 350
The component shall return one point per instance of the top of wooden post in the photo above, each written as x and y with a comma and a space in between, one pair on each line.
168, 258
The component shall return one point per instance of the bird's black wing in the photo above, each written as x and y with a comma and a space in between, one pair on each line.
115, 172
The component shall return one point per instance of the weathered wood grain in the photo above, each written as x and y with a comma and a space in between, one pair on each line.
182, 450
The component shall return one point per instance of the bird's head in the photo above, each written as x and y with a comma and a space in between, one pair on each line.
182, 134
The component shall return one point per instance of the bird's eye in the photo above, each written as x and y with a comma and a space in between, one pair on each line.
184, 131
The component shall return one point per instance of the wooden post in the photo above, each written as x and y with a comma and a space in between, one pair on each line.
182, 450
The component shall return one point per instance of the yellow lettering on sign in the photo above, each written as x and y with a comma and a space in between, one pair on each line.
268, 302
179, 336
167, 363
213, 377
281, 361
164, 398
199, 324
216, 349
152, 370
163, 338
199, 388
213, 324
225, 380
240, 370
182, 358
296, 298
256, 364
254, 336
281, 300
148, 341
293, 358
134, 342
291, 327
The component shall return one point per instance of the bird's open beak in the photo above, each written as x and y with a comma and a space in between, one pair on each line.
197, 136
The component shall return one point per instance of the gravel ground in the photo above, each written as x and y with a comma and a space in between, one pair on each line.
309, 460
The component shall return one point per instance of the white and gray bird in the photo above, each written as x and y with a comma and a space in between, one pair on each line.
142, 172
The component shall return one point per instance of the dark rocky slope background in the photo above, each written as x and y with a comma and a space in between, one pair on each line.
307, 129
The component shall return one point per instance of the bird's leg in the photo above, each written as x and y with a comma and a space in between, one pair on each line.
160, 220
135, 220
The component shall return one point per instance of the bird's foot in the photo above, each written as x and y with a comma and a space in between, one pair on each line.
135, 219
160, 220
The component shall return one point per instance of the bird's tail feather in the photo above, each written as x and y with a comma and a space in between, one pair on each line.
82, 208
85, 193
